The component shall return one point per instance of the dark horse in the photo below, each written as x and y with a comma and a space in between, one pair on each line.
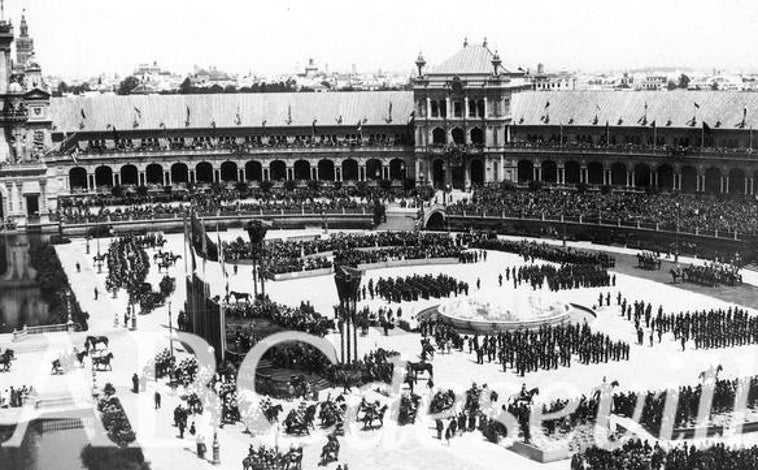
104, 361
93, 341
240, 295
5, 362
417, 367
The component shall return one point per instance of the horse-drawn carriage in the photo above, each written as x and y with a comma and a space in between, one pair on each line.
371, 414
300, 420
270, 459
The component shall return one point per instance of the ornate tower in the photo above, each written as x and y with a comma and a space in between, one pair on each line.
24, 44
462, 110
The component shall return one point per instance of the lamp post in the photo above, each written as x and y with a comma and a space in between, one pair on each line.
216, 449
170, 331
256, 231
348, 282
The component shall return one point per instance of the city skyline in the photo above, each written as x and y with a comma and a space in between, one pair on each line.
81, 38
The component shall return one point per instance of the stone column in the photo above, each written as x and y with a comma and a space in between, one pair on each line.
337, 173
465, 107
167, 178
428, 107
752, 187
243, 174
265, 174
314, 172
191, 176
448, 112
486, 114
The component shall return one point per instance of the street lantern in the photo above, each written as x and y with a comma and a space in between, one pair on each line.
348, 282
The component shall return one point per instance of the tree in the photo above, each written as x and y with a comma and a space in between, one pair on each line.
684, 81
127, 85
715, 86
185, 87
671, 85
63, 88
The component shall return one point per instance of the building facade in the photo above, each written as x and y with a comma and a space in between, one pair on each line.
467, 121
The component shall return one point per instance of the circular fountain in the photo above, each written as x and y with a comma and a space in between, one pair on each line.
502, 313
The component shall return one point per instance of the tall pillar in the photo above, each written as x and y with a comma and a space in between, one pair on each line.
448, 113
115, 178
242, 174
752, 187
166, 178
486, 114
337, 173
192, 176
534, 174
266, 174
418, 169
725, 184
465, 107
314, 172
142, 178
428, 107
90, 181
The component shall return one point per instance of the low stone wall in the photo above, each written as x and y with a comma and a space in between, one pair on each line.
176, 225
303, 274
408, 262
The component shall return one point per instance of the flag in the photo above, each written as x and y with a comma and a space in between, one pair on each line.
84, 115
188, 241
597, 107
339, 119
360, 126
547, 104
189, 113
697, 106
706, 127
138, 112
238, 118
221, 260
314, 126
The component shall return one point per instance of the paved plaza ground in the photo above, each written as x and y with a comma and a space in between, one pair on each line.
392, 447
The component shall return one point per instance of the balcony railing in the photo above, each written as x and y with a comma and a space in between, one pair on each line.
166, 152
630, 149
597, 221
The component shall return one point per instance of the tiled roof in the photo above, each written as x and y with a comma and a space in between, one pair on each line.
469, 60
627, 108
277, 109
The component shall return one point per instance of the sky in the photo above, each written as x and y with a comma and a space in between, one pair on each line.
82, 38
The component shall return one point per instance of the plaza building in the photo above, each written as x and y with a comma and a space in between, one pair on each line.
468, 120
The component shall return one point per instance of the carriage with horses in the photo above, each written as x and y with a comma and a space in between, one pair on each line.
270, 459
300, 420
331, 450
371, 414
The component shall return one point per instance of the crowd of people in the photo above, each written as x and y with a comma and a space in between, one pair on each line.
303, 318
546, 348
706, 213
638, 455
566, 276
531, 250
15, 397
712, 274
284, 256
707, 329
239, 144
414, 287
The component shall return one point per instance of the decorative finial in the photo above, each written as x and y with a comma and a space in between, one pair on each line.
496, 63
420, 63
465, 42
484, 44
